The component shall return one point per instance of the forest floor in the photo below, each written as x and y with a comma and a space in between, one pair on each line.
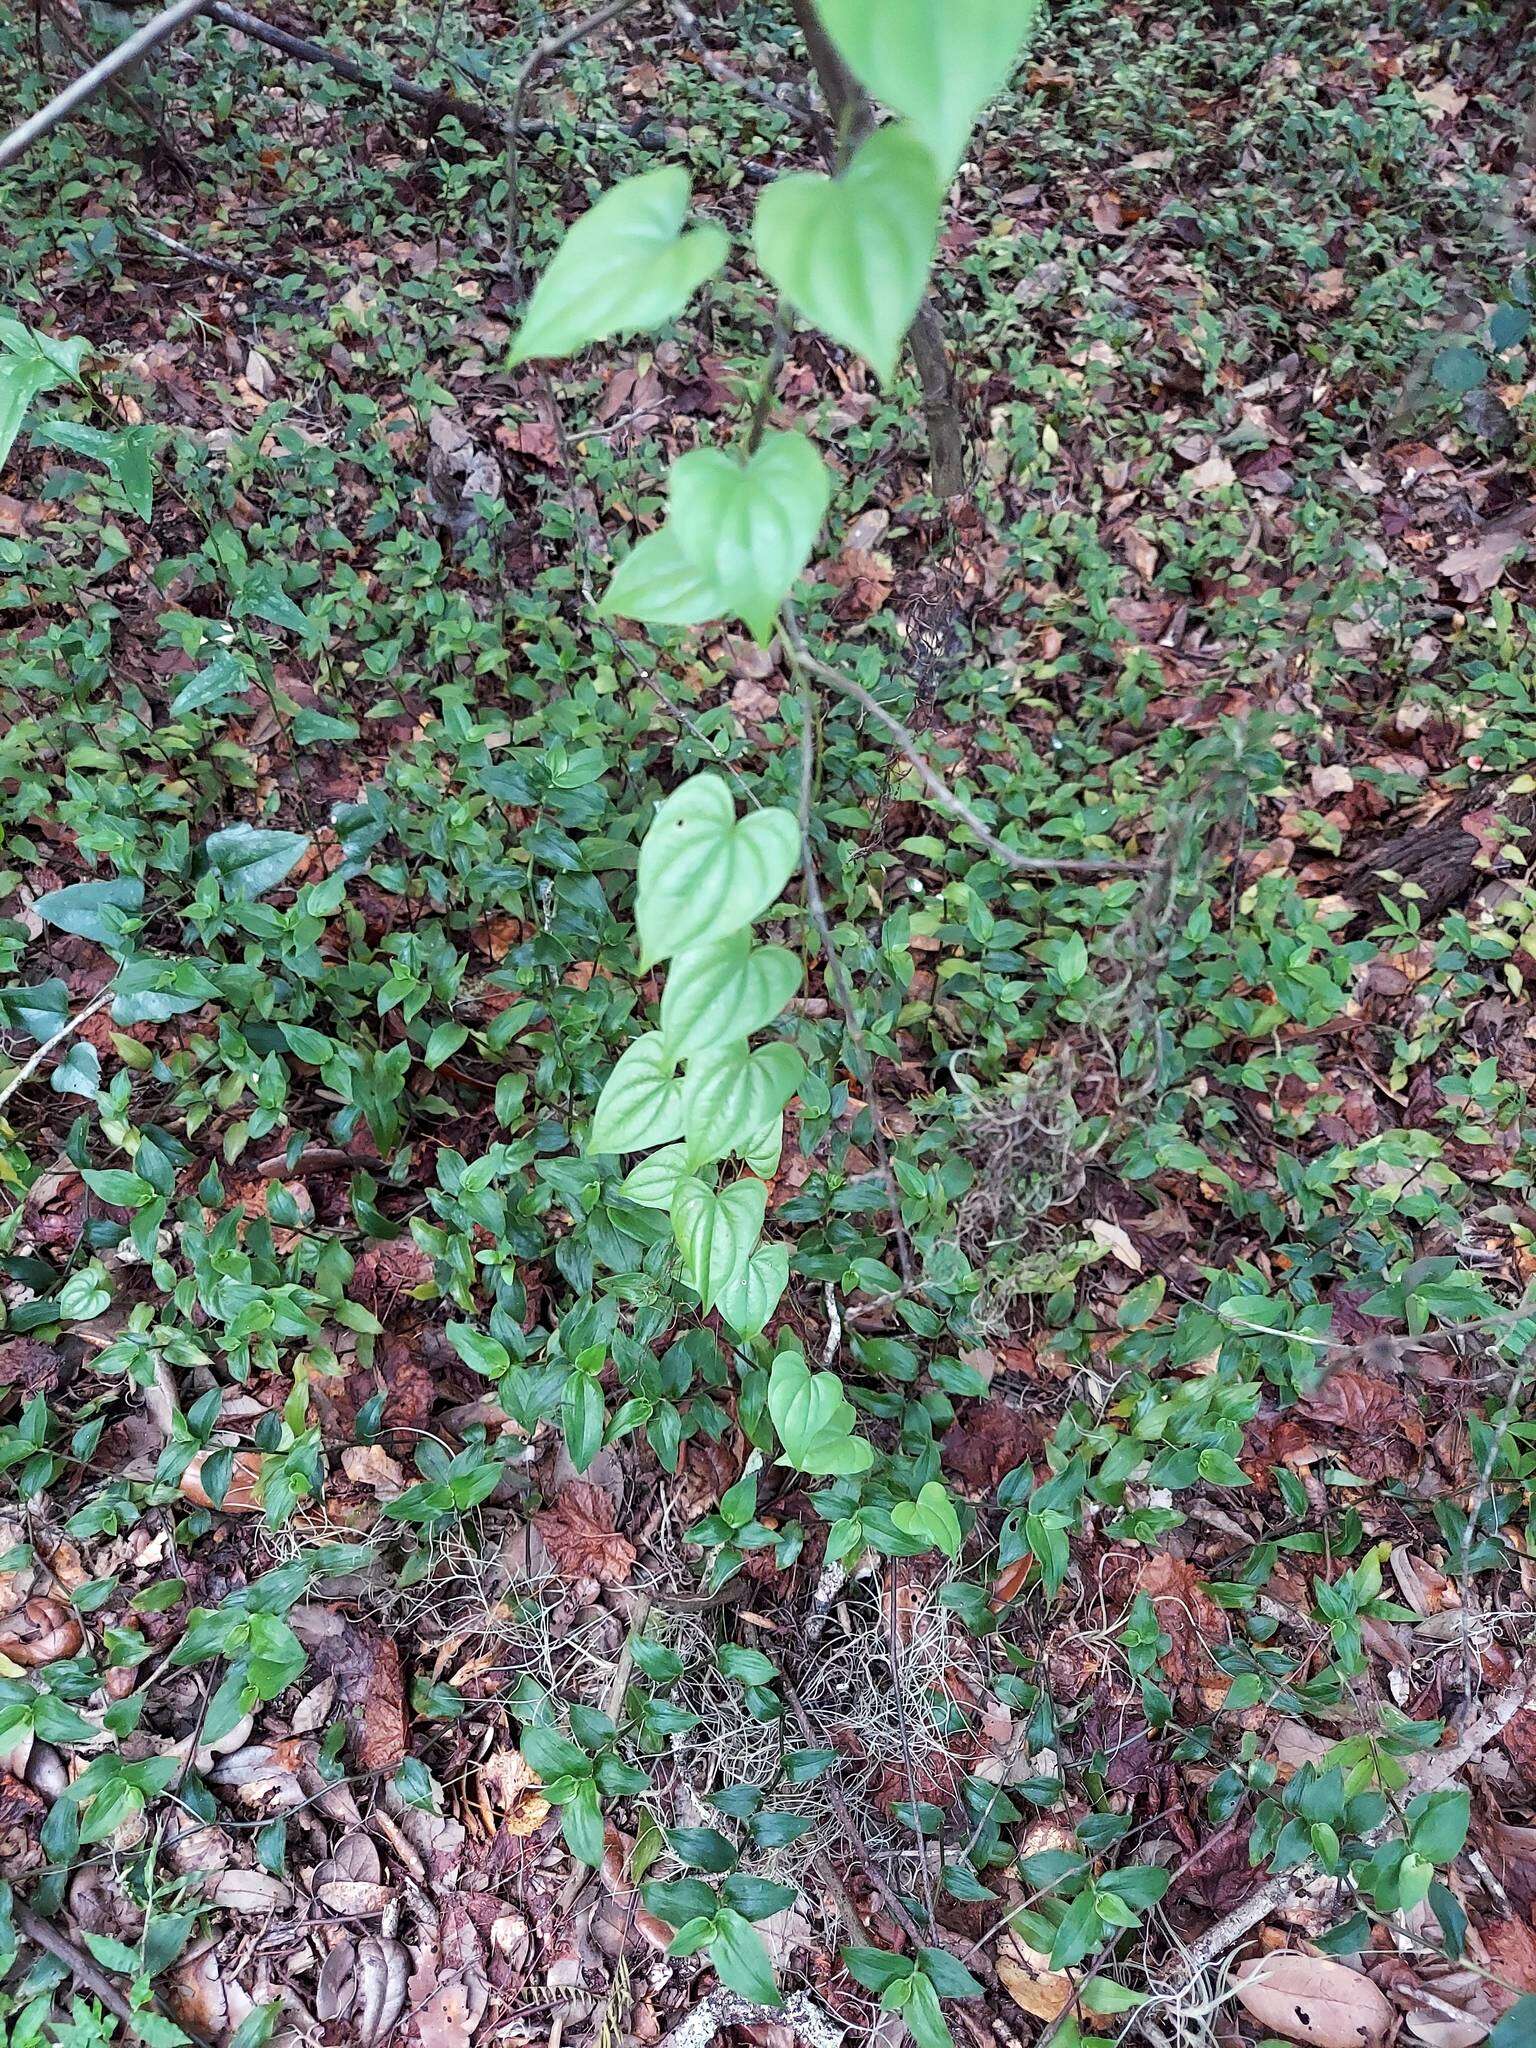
1217, 1176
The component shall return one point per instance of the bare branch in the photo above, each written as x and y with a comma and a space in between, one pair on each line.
66, 1030
83, 89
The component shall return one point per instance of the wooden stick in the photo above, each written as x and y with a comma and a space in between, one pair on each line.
66, 1030
84, 88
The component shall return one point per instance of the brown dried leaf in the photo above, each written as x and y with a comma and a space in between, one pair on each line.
512, 1786
1029, 1980
1313, 1999
579, 1534
244, 1494
40, 1632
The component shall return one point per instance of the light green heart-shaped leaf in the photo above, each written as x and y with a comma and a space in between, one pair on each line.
724, 989
764, 1149
751, 1298
737, 535
729, 1092
623, 268
750, 526
642, 1100
656, 582
653, 1183
931, 1518
936, 61
704, 874
852, 253
815, 1423
717, 1233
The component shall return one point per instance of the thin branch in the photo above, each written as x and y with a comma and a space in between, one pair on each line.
837, 980
807, 663
83, 89
225, 266
66, 1030
543, 53
778, 349
87, 1974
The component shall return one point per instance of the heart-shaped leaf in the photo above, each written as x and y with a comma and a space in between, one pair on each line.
815, 1423
751, 1298
931, 1518
737, 535
702, 874
729, 1092
716, 1233
763, 1149
642, 1100
623, 268
936, 61
852, 253
654, 1181
724, 989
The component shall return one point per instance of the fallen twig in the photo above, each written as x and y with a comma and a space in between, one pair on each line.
67, 1029
87, 1974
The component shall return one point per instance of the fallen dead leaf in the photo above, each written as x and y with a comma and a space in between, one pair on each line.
1116, 1241
1313, 1999
1029, 1980
513, 1787
1214, 474
243, 1495
579, 1534
40, 1632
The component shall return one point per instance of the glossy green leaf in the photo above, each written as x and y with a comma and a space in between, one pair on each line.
654, 1181
716, 1233
624, 268
763, 1150
732, 1092
642, 1100
736, 537
725, 989
931, 1518
815, 1423
251, 859
87, 908
127, 455
740, 1959
750, 1298
703, 873
936, 61
30, 363
852, 253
